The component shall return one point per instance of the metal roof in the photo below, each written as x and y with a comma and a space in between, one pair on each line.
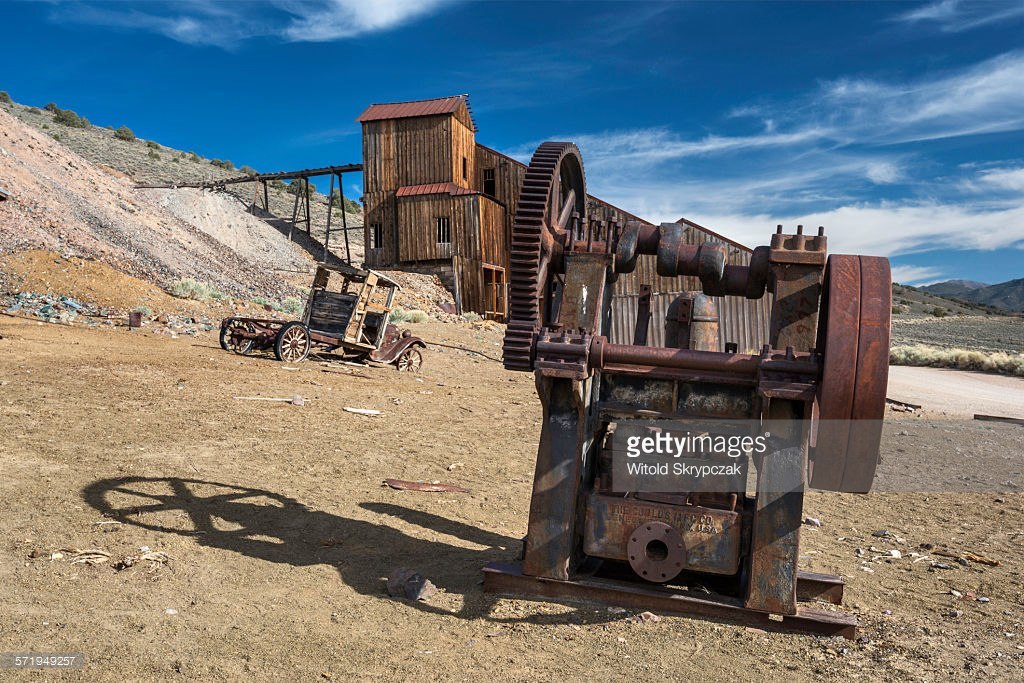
433, 188
404, 110
718, 236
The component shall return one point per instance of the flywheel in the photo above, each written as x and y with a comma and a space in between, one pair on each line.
853, 337
553, 190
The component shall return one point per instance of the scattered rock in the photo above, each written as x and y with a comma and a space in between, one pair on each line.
410, 585
646, 617
812, 521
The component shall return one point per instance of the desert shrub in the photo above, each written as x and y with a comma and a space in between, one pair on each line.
175, 160
34, 110
292, 305
399, 315
351, 205
264, 301
296, 187
940, 312
52, 107
417, 316
146, 311
248, 170
225, 164
68, 118
56, 136
961, 359
124, 133
152, 145
190, 289
194, 157
45, 126
4, 97
278, 185
153, 154
472, 317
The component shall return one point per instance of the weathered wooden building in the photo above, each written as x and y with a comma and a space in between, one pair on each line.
437, 201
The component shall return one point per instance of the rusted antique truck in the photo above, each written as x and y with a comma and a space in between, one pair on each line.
347, 311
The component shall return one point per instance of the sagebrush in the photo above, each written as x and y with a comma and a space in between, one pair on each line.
922, 355
200, 291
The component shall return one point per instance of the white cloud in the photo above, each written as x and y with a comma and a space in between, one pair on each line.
337, 19
985, 98
1003, 178
886, 228
953, 16
226, 24
916, 275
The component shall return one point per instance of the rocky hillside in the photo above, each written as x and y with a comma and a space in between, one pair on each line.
64, 203
147, 161
1008, 296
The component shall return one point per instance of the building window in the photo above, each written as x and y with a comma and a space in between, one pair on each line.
489, 182
376, 236
444, 230
465, 169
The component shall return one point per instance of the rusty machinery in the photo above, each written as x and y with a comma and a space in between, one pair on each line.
821, 374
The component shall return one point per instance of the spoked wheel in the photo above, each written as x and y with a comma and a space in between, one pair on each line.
292, 343
553, 189
411, 360
229, 342
853, 336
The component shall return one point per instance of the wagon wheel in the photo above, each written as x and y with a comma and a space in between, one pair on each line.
853, 337
292, 343
228, 341
410, 361
553, 188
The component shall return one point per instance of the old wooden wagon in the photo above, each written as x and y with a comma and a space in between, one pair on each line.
348, 310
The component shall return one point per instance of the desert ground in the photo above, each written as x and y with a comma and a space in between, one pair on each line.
270, 533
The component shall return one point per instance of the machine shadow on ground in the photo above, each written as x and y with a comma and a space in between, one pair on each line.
269, 526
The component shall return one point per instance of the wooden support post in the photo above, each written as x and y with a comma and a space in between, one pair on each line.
344, 219
309, 224
330, 210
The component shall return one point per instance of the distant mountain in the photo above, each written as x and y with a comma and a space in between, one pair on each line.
953, 288
1008, 296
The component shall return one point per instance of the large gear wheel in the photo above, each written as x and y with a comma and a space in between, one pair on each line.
553, 189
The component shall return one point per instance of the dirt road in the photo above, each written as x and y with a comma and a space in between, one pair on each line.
958, 394
278, 531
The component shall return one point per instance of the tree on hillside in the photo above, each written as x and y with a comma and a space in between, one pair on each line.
4, 97
70, 119
124, 133
296, 186
351, 205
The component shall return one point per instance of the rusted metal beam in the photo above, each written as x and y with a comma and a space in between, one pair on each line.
507, 579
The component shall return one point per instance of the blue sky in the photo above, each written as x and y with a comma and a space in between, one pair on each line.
898, 126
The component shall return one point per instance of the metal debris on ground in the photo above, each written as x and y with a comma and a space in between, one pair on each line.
972, 557
901, 406
424, 486
998, 418
410, 584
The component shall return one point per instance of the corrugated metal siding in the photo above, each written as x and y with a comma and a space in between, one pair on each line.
740, 320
